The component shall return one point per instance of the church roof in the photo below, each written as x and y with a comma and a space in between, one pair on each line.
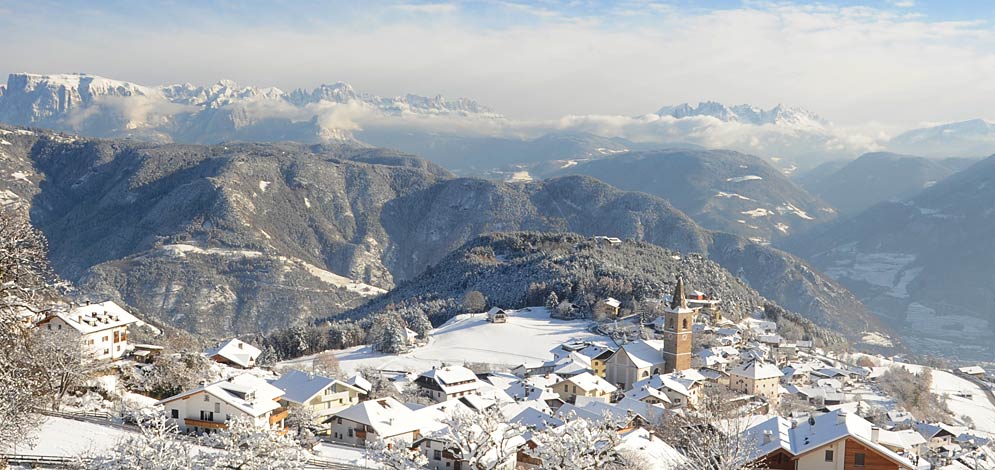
678, 301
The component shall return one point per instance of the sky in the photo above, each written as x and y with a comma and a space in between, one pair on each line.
883, 64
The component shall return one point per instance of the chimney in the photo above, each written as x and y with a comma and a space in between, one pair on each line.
875, 434
768, 436
841, 417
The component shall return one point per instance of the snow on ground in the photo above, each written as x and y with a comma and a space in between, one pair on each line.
63, 437
263, 185
336, 280
783, 227
343, 454
520, 177
180, 250
758, 212
8, 197
4, 142
20, 175
789, 208
527, 336
723, 194
878, 269
876, 339
740, 179
977, 406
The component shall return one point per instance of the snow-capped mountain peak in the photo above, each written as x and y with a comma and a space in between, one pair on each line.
747, 114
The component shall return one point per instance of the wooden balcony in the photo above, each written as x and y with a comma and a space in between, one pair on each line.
361, 434
204, 424
278, 415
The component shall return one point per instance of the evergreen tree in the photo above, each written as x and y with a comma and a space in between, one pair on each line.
552, 301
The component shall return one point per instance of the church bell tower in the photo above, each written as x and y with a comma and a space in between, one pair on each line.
677, 331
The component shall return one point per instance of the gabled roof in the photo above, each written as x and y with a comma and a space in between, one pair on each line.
248, 393
611, 302
536, 419
643, 353
588, 382
450, 379
95, 317
676, 381
299, 387
360, 382
757, 370
236, 351
816, 432
645, 392
387, 416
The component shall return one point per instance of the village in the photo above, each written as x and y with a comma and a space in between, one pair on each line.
764, 401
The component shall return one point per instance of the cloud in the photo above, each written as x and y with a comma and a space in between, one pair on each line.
851, 64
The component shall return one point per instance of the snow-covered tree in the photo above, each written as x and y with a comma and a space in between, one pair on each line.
552, 301
474, 302
246, 446
713, 436
482, 441
157, 447
67, 364
27, 287
579, 444
395, 454
326, 364
393, 339
300, 421
419, 323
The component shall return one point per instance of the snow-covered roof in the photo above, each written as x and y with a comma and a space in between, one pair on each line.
453, 379
248, 393
96, 317
643, 353
236, 351
595, 351
299, 387
645, 392
360, 382
904, 439
611, 302
756, 370
387, 416
588, 382
972, 370
815, 432
676, 381
654, 453
533, 418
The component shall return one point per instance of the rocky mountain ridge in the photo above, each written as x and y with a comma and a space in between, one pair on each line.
232, 238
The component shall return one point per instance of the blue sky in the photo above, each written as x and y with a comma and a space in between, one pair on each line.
883, 63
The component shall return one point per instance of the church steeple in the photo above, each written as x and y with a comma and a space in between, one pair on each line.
679, 301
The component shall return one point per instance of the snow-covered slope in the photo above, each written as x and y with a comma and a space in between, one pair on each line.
528, 335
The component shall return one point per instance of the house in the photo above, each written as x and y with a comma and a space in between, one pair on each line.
974, 371
530, 368
937, 435
102, 328
607, 308
436, 434
383, 418
209, 407
647, 394
607, 241
836, 440
449, 382
146, 353
599, 355
682, 389
496, 315
322, 395
758, 378
906, 442
236, 353
633, 362
361, 384
584, 385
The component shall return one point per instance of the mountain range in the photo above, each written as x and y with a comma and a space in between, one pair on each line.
924, 263
856, 185
720, 189
227, 238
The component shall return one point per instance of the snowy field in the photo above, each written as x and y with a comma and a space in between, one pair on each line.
527, 336
67, 438
981, 411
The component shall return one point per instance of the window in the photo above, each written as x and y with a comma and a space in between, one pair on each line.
858, 459
437, 455
207, 397
50, 326
174, 413
104, 339
217, 407
829, 456
350, 432
685, 323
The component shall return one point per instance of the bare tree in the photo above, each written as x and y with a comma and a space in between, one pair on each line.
482, 441
326, 364
712, 437
247, 446
158, 447
395, 454
64, 362
579, 444
28, 288
474, 302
